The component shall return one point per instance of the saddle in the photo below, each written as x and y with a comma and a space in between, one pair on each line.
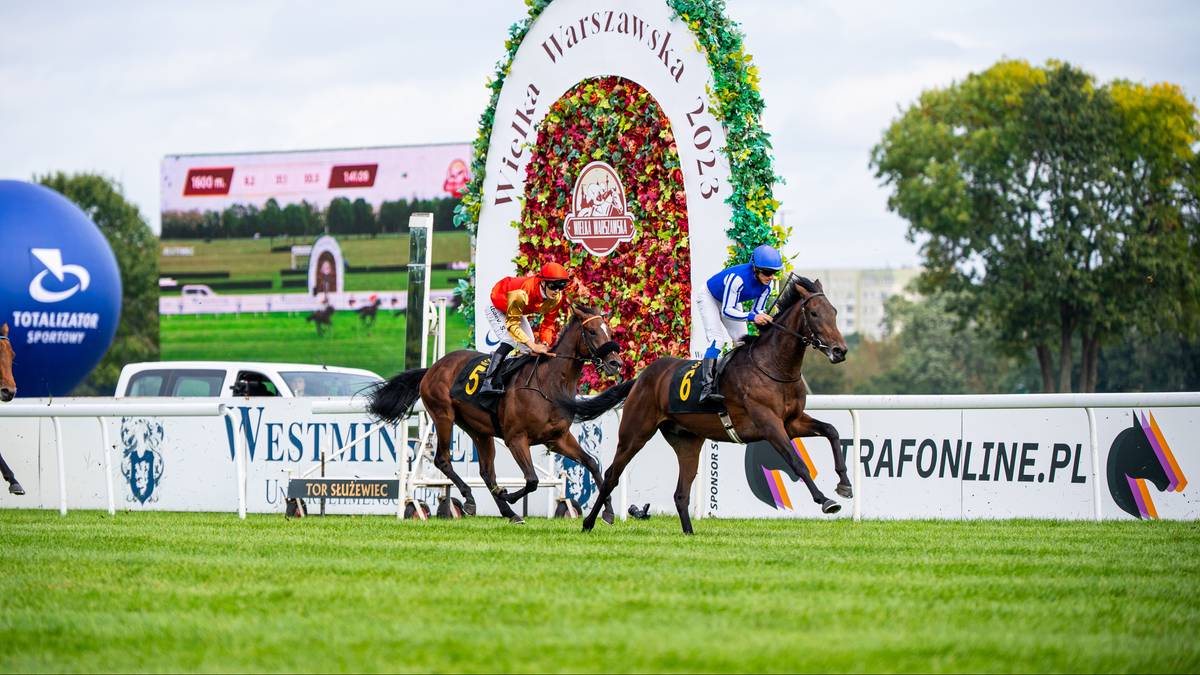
469, 380
685, 387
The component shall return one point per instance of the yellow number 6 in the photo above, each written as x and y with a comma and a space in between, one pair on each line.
685, 387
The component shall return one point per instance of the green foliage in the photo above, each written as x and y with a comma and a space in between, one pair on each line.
938, 354
305, 219
1056, 211
136, 250
927, 350
204, 592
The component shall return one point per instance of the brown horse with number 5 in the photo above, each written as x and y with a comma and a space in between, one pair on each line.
764, 397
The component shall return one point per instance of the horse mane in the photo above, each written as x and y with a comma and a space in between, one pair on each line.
789, 295
574, 320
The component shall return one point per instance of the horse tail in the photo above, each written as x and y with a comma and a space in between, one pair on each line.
390, 401
589, 408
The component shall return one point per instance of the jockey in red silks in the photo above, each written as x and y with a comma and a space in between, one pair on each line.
514, 298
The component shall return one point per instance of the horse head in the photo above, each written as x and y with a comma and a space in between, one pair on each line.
596, 342
803, 307
8, 386
1139, 455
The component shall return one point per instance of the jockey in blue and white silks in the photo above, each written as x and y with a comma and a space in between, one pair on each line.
724, 320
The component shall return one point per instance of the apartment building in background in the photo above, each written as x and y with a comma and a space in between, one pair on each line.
859, 295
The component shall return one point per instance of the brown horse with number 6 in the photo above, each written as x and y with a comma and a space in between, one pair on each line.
764, 397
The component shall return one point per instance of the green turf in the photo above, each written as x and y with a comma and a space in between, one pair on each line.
291, 339
205, 592
355, 281
252, 260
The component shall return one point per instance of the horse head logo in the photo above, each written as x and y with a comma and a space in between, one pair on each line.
141, 459
766, 472
580, 485
1140, 454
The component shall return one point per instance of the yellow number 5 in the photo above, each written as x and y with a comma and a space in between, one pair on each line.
473, 380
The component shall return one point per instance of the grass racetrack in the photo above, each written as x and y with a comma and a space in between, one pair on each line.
168, 592
285, 338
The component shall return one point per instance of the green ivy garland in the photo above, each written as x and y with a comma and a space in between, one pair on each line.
736, 101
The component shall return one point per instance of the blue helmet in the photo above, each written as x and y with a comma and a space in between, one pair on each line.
767, 258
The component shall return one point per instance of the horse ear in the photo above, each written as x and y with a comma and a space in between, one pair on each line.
4, 330
820, 288
800, 289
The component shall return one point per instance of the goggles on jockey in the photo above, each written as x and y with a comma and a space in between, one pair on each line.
766, 272
556, 284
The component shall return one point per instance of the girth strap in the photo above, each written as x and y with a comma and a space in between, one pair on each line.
728, 424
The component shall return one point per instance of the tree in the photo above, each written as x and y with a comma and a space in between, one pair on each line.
271, 219
1058, 212
364, 218
393, 216
339, 218
136, 250
938, 354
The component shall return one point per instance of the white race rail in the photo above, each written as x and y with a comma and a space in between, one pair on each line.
1088, 402
100, 411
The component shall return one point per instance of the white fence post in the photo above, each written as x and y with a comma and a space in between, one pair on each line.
856, 457
112, 504
1095, 443
62, 468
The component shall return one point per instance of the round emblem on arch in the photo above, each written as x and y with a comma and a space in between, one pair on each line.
599, 219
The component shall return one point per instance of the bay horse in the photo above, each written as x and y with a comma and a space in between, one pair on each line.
527, 413
8, 389
764, 396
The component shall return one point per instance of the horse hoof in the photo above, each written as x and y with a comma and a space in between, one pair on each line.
516, 520
469, 508
608, 517
830, 506
845, 491
588, 524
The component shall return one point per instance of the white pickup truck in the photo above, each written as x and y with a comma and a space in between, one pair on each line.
236, 378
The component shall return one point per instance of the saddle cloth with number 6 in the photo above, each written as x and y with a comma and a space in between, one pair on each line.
685, 390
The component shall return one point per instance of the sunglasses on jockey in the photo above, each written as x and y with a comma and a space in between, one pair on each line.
765, 272
556, 284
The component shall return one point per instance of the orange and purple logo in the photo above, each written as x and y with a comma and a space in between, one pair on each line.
1141, 455
766, 472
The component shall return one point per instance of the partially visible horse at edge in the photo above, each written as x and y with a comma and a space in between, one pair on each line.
8, 390
527, 414
764, 396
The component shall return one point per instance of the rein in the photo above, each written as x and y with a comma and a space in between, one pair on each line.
810, 340
596, 356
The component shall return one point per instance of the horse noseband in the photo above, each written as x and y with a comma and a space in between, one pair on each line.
606, 349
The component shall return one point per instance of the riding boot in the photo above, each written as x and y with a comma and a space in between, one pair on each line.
708, 382
491, 378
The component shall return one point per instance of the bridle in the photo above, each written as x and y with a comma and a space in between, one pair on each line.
595, 356
810, 340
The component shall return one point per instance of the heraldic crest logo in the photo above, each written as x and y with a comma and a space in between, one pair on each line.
142, 460
1140, 454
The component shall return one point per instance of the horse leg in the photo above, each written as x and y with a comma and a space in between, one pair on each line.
632, 437
519, 447
779, 439
568, 446
806, 426
445, 427
687, 450
487, 470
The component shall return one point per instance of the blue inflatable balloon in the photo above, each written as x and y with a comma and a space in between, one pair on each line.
60, 289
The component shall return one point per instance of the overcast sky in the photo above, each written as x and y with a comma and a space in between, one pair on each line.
115, 86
